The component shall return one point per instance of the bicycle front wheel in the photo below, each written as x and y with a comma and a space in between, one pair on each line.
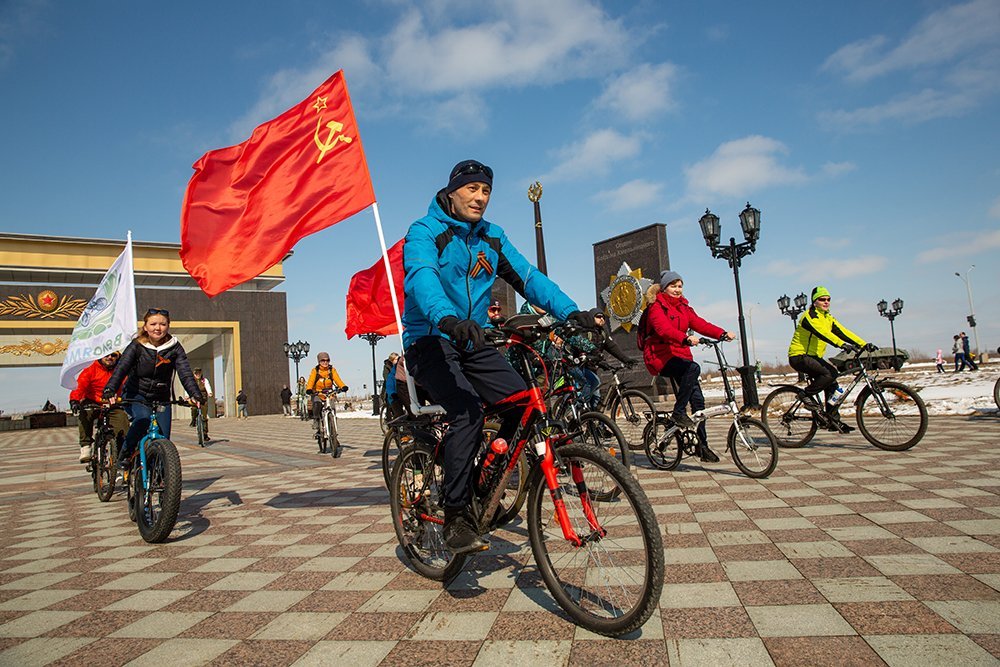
633, 413
788, 420
104, 470
611, 583
157, 506
754, 449
201, 430
893, 417
663, 451
996, 393
596, 428
415, 497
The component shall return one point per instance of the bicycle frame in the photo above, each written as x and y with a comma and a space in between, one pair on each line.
153, 433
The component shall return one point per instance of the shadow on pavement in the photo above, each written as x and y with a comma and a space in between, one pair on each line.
355, 497
190, 520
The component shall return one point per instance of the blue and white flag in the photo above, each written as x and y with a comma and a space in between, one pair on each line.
107, 324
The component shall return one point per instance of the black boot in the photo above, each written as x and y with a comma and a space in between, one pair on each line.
707, 455
459, 533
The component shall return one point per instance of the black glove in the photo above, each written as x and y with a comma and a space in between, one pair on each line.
582, 319
343, 389
870, 347
850, 348
465, 333
631, 363
74, 406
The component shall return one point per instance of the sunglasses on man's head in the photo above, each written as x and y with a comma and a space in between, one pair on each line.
158, 311
474, 168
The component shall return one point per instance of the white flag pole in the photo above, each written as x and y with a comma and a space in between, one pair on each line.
388, 271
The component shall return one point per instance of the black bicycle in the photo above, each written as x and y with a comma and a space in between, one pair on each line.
890, 414
105, 452
202, 425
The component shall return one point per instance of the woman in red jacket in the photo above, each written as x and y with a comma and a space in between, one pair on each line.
667, 351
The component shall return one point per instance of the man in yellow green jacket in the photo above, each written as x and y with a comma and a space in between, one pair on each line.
816, 329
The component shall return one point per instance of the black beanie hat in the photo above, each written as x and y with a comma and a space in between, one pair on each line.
468, 171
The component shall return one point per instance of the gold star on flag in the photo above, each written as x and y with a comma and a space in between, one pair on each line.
320, 104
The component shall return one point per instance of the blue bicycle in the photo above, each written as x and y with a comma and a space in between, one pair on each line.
153, 479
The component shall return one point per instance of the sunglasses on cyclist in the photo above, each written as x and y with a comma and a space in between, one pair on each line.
824, 298
158, 311
473, 168
322, 360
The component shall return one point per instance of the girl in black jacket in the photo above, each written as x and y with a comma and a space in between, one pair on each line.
150, 362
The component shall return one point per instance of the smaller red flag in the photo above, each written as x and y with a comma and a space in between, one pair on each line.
369, 301
247, 205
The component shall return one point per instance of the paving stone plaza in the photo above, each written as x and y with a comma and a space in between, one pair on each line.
846, 555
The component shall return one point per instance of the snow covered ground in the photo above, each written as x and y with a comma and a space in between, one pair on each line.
948, 393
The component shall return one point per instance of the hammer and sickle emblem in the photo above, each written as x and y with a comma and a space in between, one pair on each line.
332, 138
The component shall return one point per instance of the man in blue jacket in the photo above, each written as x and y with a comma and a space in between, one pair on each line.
451, 257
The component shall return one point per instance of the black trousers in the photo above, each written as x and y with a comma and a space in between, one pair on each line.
462, 381
686, 377
822, 374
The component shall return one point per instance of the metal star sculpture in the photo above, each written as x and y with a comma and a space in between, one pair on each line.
625, 297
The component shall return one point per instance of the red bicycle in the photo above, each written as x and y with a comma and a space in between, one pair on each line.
592, 531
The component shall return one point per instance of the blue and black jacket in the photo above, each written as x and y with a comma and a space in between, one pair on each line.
450, 269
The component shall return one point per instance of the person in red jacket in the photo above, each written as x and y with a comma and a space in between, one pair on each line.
667, 351
89, 386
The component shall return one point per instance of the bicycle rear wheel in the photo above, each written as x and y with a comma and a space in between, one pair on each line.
611, 583
415, 496
663, 451
157, 507
104, 466
753, 447
788, 420
633, 413
893, 418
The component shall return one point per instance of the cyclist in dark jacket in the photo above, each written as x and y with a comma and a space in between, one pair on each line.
149, 362
452, 256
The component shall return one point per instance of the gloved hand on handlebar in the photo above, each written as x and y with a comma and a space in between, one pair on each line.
850, 348
870, 347
465, 333
582, 319
74, 406
343, 390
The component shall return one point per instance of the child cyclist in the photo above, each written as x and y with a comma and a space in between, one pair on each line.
147, 367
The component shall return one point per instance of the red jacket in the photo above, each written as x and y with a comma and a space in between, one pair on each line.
667, 325
91, 383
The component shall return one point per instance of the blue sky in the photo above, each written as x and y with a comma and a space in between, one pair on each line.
865, 132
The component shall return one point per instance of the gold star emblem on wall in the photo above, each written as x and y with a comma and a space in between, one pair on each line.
625, 297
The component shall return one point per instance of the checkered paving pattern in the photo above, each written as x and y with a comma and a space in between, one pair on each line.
846, 555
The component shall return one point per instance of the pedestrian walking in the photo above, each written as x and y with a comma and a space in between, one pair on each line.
956, 349
966, 352
241, 405
286, 400
939, 360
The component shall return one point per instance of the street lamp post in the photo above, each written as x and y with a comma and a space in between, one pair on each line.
786, 307
373, 339
885, 311
733, 253
296, 352
972, 310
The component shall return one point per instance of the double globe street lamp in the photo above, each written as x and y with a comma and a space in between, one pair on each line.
296, 352
733, 253
885, 311
786, 307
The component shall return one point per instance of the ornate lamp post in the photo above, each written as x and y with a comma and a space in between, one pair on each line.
296, 352
373, 339
884, 311
534, 195
972, 309
786, 307
733, 253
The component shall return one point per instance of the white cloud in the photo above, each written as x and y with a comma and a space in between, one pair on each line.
952, 53
962, 244
942, 36
737, 168
994, 211
831, 243
594, 154
518, 43
631, 195
837, 168
640, 93
824, 269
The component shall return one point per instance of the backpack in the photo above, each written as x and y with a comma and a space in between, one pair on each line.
641, 330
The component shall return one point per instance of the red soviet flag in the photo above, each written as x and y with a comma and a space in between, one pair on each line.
247, 205
369, 302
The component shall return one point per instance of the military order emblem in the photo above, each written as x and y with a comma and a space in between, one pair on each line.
625, 297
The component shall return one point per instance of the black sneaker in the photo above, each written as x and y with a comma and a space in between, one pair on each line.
123, 464
459, 534
809, 403
707, 455
682, 420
